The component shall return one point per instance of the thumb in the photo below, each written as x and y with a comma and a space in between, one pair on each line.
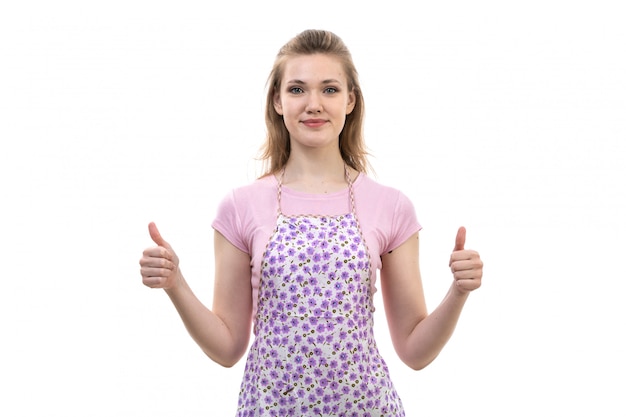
156, 236
460, 239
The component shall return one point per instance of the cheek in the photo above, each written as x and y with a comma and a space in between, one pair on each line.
291, 110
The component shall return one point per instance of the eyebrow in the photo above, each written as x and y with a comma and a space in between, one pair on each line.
329, 81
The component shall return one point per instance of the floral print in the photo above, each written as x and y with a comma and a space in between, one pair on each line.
314, 353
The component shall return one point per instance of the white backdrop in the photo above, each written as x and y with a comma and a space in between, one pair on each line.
505, 117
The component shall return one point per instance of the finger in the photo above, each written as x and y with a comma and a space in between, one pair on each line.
468, 284
467, 274
156, 235
151, 272
163, 262
154, 282
157, 252
466, 264
464, 255
459, 244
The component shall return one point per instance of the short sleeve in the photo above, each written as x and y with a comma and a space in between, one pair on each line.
404, 224
228, 222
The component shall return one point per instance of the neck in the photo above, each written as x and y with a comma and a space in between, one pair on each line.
317, 176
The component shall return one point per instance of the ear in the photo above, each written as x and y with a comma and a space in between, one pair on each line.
351, 102
278, 105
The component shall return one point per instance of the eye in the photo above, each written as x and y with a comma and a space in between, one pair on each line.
296, 90
330, 90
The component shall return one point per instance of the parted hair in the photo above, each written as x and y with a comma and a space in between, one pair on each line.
277, 148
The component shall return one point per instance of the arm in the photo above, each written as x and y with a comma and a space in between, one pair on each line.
419, 337
223, 332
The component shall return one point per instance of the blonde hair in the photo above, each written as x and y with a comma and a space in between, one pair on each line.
275, 152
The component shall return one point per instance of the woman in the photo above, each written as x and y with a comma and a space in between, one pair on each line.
297, 253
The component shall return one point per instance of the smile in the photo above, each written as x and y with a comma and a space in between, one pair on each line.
314, 122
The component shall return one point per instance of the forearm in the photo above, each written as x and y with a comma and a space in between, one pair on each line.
207, 329
430, 335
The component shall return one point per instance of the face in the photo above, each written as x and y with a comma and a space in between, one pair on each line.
314, 100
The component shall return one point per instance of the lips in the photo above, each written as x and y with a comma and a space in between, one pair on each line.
314, 122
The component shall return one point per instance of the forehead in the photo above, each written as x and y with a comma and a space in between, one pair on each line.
312, 68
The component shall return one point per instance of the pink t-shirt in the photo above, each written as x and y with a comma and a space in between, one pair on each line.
247, 218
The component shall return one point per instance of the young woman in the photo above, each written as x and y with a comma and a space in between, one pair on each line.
297, 253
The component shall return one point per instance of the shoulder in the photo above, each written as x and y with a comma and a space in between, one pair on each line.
264, 187
367, 187
250, 199
383, 204
386, 214
244, 209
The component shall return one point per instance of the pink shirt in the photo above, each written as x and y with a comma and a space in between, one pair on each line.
247, 218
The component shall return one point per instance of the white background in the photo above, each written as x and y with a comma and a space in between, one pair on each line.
505, 117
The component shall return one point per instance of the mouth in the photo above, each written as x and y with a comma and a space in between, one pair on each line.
314, 122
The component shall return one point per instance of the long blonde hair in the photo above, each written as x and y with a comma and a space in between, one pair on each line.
275, 152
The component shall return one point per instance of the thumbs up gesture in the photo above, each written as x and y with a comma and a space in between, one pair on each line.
466, 266
159, 264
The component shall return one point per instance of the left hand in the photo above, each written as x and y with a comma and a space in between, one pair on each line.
466, 266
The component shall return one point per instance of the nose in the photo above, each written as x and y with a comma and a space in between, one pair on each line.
314, 104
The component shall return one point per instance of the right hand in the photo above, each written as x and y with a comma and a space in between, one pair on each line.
159, 264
